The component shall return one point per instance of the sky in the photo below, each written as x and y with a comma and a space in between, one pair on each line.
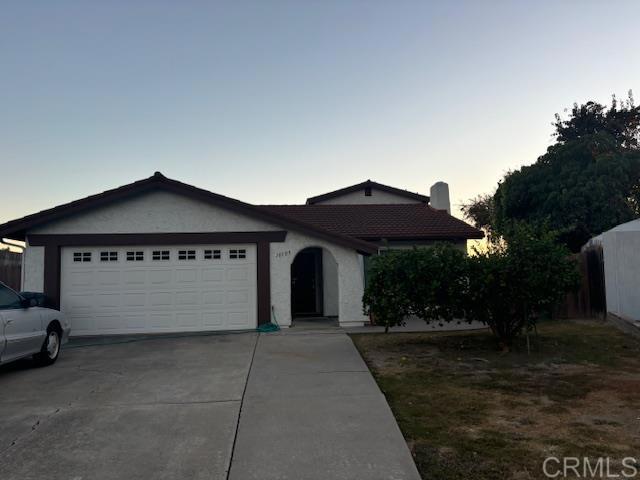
276, 101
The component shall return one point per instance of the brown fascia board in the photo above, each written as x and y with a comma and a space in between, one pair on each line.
416, 238
363, 185
16, 229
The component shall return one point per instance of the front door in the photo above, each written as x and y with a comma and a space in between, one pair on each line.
306, 283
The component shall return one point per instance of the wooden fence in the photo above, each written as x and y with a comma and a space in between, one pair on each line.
10, 268
590, 299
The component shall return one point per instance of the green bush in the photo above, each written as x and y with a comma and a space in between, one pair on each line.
511, 285
426, 282
506, 287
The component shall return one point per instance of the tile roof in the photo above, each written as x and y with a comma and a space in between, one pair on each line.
368, 222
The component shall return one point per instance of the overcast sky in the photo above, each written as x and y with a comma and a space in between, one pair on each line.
274, 101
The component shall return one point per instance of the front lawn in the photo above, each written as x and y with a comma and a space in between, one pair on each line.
468, 411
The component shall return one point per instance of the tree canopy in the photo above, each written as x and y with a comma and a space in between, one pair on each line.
587, 182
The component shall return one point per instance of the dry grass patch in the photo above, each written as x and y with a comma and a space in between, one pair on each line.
468, 411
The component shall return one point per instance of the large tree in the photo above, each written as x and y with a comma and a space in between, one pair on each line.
586, 183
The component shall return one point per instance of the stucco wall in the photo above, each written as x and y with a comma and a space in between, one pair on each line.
33, 269
156, 212
622, 272
350, 278
377, 197
330, 284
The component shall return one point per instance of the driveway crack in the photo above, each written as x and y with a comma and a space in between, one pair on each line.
244, 391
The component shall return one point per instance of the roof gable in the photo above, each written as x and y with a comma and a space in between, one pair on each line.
413, 197
17, 229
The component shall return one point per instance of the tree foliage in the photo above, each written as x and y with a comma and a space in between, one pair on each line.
511, 285
506, 287
586, 183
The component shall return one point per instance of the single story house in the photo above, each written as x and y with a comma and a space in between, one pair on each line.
158, 255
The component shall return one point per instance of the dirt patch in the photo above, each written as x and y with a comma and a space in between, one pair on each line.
468, 411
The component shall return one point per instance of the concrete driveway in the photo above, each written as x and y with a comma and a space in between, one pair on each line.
238, 406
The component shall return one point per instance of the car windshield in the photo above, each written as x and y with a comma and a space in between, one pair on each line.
8, 298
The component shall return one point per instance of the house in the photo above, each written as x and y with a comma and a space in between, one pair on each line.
158, 255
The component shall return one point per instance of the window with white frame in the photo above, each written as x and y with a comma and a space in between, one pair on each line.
186, 254
108, 256
238, 253
81, 256
136, 256
160, 255
212, 254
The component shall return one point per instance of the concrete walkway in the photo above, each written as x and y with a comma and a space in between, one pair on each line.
312, 410
240, 406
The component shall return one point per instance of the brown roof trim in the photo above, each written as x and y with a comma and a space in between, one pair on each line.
124, 239
416, 238
368, 184
16, 229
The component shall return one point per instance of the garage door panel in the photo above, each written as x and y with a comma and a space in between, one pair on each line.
160, 299
186, 275
161, 320
109, 322
134, 299
80, 302
134, 277
160, 277
80, 278
213, 319
187, 298
108, 300
107, 278
82, 322
156, 294
238, 319
188, 319
213, 297
238, 274
135, 322
213, 274
235, 297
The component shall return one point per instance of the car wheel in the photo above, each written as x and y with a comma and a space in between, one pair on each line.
50, 348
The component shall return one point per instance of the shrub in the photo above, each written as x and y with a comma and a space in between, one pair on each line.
426, 282
506, 287
511, 285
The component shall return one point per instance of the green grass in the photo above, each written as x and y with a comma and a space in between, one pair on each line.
470, 411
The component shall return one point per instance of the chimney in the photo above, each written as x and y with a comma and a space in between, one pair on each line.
440, 196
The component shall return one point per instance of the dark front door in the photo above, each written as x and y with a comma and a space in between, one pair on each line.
306, 283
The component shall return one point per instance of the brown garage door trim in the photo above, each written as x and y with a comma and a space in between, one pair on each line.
52, 247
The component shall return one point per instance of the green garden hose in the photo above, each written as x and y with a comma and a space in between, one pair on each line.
270, 327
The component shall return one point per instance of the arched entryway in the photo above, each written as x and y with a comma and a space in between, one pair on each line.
314, 284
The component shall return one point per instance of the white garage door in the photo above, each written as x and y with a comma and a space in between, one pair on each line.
115, 290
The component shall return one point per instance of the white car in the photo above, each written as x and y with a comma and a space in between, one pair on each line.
29, 329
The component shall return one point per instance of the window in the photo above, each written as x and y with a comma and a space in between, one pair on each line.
212, 254
367, 191
238, 253
9, 298
108, 256
135, 256
81, 256
186, 254
160, 255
